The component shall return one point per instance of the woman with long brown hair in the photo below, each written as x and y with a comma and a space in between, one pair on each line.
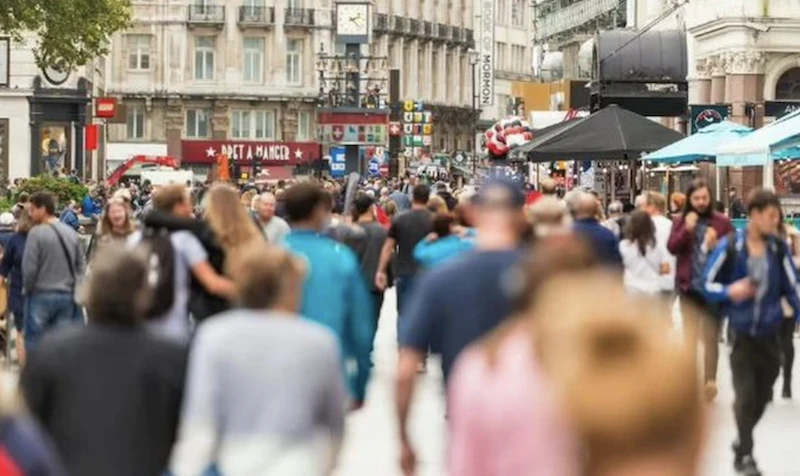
232, 225
644, 262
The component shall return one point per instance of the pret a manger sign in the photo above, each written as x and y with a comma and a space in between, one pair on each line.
274, 153
486, 52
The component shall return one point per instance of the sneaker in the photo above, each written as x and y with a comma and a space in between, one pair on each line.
747, 467
710, 391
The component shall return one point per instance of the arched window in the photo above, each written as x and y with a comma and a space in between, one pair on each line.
788, 87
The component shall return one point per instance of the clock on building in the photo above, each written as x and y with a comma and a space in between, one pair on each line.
56, 72
352, 22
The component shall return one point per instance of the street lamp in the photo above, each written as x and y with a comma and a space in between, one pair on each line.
474, 57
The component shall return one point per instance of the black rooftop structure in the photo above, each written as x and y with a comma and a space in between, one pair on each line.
642, 72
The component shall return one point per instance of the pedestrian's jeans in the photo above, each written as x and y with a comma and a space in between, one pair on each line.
47, 310
755, 363
404, 286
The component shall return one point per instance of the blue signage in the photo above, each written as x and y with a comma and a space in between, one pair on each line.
374, 166
337, 162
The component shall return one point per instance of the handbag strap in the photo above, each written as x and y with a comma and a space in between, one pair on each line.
66, 253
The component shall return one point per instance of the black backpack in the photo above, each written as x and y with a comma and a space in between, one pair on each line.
161, 277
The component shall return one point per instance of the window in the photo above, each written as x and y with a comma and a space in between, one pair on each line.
240, 125
518, 13
138, 52
204, 50
294, 62
294, 4
203, 6
247, 124
303, 125
253, 60
500, 14
135, 123
197, 123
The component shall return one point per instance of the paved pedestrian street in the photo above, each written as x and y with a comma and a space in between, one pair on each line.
371, 447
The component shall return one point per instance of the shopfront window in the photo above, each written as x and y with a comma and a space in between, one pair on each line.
788, 87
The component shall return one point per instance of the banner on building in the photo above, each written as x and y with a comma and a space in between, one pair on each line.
778, 109
337, 164
706, 114
486, 52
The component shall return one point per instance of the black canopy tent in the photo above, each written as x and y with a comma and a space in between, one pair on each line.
612, 133
518, 154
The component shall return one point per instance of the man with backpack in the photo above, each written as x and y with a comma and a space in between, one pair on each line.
749, 272
176, 256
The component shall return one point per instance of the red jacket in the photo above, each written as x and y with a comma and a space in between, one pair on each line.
681, 244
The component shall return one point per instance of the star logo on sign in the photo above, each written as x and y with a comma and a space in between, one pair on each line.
210, 152
298, 154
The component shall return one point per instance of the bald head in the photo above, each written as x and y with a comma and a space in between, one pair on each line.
585, 205
266, 207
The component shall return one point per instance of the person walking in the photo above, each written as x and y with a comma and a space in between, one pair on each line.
116, 225
791, 236
274, 227
11, 271
656, 207
52, 267
749, 272
265, 392
643, 260
181, 256
406, 231
368, 249
459, 302
334, 293
109, 393
586, 225
693, 235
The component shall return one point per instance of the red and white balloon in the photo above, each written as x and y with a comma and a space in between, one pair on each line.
506, 135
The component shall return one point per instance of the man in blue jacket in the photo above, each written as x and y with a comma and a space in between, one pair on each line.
749, 272
334, 293
602, 240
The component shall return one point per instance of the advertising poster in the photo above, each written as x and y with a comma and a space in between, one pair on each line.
54, 148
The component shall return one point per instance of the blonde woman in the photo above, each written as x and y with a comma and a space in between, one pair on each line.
229, 227
116, 225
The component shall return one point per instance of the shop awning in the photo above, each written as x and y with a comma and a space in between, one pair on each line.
701, 146
773, 141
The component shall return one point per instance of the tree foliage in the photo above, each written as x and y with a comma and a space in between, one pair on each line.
63, 189
70, 32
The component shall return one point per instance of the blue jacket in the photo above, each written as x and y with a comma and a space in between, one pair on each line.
90, 207
602, 240
763, 314
432, 253
336, 296
69, 218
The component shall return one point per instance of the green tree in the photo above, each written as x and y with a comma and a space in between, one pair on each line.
62, 188
70, 32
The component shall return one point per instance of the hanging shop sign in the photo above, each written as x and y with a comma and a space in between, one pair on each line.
707, 114
486, 52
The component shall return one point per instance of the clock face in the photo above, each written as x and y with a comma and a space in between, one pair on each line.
352, 19
56, 73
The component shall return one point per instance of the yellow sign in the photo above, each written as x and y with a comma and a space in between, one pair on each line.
409, 106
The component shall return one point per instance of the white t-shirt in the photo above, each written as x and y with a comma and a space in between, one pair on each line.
663, 229
189, 252
642, 273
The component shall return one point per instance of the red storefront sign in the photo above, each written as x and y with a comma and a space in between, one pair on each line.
91, 137
105, 108
248, 152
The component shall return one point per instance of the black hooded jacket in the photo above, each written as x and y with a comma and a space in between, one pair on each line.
202, 304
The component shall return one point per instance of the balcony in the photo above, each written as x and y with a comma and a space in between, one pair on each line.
381, 22
589, 15
206, 15
427, 29
469, 37
398, 25
256, 17
445, 32
458, 34
298, 17
414, 27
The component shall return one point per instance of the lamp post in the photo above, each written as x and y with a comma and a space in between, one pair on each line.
474, 57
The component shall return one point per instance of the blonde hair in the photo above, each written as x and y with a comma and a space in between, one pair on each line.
264, 274
549, 216
247, 198
436, 204
231, 223
630, 390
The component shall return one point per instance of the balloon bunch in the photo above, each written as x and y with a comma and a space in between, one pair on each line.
507, 134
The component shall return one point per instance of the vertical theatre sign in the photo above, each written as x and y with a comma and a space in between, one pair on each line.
486, 51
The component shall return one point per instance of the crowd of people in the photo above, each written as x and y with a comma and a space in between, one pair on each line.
228, 330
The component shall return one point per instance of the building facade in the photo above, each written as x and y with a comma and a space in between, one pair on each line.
43, 114
196, 79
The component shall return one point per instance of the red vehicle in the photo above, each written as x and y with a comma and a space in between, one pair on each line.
158, 160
